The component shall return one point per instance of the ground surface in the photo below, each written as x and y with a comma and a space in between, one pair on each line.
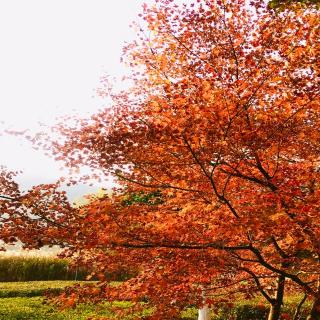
24, 301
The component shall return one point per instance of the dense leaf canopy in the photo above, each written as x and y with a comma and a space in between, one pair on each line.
216, 153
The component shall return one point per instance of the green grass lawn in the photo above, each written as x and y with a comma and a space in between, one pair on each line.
33, 308
23, 300
32, 288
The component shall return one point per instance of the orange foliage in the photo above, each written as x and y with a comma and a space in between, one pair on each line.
223, 124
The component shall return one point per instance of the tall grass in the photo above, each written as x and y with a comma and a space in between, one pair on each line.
20, 268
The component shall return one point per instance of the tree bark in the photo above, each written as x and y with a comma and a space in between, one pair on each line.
204, 313
315, 309
275, 308
275, 312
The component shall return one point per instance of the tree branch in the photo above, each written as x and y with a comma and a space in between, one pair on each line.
7, 198
259, 286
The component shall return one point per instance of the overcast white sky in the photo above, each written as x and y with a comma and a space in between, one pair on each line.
52, 55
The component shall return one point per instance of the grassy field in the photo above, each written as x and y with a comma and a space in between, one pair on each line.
26, 308
33, 308
23, 301
32, 288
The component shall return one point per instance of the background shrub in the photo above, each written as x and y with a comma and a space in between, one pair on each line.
19, 268
26, 268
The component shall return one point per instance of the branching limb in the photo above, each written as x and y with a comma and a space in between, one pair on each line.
259, 286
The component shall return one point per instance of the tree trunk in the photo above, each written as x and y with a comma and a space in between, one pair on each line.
204, 313
315, 310
275, 312
275, 309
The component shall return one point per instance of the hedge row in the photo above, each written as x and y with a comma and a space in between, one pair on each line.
21, 268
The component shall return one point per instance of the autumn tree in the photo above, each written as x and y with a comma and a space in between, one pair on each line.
223, 119
222, 124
